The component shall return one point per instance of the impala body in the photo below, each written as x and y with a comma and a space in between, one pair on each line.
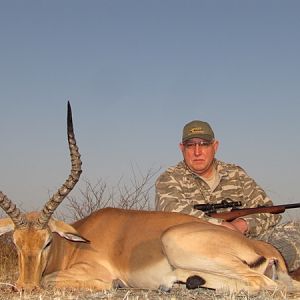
141, 249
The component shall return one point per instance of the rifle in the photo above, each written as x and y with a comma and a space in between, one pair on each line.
237, 213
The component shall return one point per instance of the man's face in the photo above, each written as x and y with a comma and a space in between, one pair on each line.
199, 155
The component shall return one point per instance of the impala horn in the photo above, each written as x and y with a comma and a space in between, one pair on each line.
69, 184
13, 212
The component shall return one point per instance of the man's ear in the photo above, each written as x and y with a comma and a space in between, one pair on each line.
181, 147
66, 231
6, 225
216, 145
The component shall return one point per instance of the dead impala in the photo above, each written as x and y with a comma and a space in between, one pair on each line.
141, 249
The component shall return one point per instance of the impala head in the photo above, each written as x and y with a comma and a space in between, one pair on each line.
33, 231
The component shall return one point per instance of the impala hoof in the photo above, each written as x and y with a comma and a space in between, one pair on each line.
194, 282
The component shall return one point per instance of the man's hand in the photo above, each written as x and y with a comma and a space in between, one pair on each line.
237, 225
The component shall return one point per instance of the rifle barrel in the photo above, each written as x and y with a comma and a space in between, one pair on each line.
237, 213
293, 205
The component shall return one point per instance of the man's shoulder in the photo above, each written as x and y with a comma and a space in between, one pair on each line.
228, 167
176, 171
179, 168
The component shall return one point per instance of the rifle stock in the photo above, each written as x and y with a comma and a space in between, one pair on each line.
237, 213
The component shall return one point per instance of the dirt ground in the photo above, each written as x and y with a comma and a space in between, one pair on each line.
7, 291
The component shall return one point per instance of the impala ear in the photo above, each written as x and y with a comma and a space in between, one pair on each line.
73, 237
6, 225
66, 231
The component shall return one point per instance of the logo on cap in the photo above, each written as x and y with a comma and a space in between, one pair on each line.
196, 130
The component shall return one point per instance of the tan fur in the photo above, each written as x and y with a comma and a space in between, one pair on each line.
143, 250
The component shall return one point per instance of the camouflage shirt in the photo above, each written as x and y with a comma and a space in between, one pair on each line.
178, 189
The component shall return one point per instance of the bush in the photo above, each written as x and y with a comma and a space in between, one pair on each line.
138, 194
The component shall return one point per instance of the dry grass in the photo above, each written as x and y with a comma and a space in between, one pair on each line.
135, 294
131, 294
8, 260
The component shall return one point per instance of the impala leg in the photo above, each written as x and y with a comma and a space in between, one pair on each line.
248, 280
192, 251
80, 276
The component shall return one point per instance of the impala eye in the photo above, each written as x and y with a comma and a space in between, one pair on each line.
48, 244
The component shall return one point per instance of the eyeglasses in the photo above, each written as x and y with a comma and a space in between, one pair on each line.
192, 145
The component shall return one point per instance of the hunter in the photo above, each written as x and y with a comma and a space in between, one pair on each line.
200, 178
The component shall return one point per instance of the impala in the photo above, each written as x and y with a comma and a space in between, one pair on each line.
142, 249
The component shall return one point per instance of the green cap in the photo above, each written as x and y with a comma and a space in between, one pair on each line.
197, 129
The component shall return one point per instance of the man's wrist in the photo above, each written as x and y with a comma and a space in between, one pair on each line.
240, 224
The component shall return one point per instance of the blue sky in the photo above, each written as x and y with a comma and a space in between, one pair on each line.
135, 73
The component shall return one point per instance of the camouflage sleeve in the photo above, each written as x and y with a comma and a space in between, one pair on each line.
170, 197
255, 196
